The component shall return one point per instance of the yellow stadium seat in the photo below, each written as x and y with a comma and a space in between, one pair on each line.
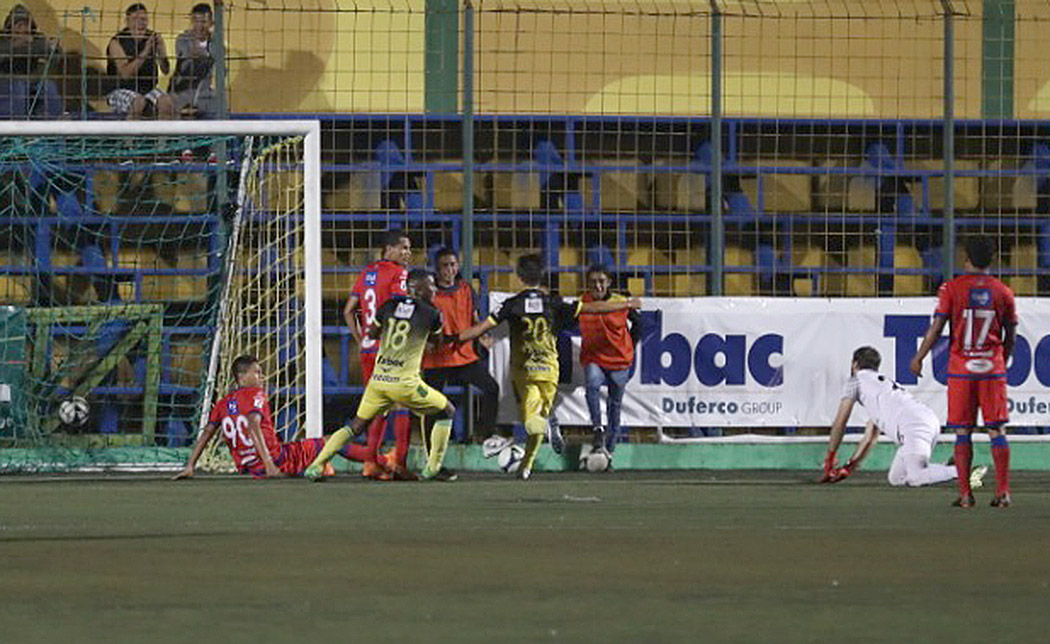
618, 191
191, 193
358, 192
335, 286
684, 192
187, 362
738, 284
860, 194
106, 188
448, 189
68, 288
15, 289
570, 282
1024, 257
516, 191
646, 256
908, 285
832, 188
1004, 192
189, 288
690, 284
824, 283
781, 192
966, 190
154, 287
862, 284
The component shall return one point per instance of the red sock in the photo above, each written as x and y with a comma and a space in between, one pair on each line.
375, 438
354, 452
1001, 458
402, 436
963, 459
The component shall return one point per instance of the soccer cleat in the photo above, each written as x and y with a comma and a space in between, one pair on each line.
444, 474
964, 502
977, 476
316, 472
329, 469
372, 470
524, 473
387, 461
401, 474
1001, 500
554, 436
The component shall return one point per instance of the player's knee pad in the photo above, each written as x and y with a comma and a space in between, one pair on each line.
536, 425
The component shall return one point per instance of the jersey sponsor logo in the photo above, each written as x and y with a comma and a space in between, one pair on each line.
260, 400
385, 378
370, 278
231, 407
979, 365
391, 362
533, 305
405, 310
980, 297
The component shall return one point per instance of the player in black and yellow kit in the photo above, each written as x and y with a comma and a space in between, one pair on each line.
403, 325
535, 318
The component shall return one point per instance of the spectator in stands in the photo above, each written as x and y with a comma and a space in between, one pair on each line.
606, 353
460, 364
191, 84
134, 56
25, 55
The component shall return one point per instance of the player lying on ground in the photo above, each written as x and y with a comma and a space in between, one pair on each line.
983, 330
912, 426
403, 326
245, 420
536, 317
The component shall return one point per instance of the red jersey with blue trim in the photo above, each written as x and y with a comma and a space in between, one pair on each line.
978, 307
231, 416
375, 285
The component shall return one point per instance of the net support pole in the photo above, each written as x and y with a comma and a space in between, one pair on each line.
221, 107
948, 233
467, 124
717, 244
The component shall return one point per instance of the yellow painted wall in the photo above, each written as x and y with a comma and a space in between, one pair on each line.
612, 56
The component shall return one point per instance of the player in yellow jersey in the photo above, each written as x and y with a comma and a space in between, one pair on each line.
535, 318
403, 325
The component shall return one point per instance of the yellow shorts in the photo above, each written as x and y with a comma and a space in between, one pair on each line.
414, 394
535, 398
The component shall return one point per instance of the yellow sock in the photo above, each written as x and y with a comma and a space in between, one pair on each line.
439, 436
335, 443
532, 448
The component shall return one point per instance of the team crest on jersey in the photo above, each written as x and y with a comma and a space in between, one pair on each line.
405, 310
231, 407
260, 400
533, 305
370, 278
980, 297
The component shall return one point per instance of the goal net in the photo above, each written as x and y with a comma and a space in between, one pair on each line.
139, 260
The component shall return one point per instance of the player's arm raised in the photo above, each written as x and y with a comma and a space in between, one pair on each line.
255, 430
932, 335
198, 449
479, 329
838, 428
609, 306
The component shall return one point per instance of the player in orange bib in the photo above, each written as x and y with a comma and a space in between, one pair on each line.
983, 329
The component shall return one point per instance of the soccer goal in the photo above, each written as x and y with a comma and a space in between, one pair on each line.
137, 259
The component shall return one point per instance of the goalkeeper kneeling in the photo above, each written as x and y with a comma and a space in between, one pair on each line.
894, 413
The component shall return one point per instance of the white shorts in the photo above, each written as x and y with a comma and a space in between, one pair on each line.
120, 100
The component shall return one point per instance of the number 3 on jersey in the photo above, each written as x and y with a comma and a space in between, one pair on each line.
368, 307
978, 323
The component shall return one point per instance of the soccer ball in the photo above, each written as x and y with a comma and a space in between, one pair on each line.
595, 461
73, 411
510, 457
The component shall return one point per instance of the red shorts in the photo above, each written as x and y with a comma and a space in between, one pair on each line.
368, 365
965, 395
294, 458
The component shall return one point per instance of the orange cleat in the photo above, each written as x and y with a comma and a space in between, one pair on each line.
372, 470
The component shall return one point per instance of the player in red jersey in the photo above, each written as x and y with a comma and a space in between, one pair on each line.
245, 420
378, 283
983, 329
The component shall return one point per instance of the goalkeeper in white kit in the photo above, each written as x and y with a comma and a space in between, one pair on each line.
894, 413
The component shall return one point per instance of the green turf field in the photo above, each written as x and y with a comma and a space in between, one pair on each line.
695, 556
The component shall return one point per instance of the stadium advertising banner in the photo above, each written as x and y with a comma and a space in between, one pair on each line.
754, 362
